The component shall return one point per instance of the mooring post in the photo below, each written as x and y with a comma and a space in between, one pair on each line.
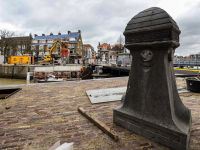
151, 106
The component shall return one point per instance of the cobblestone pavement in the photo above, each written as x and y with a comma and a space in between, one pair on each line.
39, 115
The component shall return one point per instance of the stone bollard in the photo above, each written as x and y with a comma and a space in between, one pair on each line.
151, 106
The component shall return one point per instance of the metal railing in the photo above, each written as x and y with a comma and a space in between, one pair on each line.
122, 62
179, 63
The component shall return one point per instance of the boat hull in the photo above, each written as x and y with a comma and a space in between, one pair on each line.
193, 85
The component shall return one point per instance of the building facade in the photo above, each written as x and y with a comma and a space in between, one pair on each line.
88, 53
114, 51
42, 44
15, 46
103, 51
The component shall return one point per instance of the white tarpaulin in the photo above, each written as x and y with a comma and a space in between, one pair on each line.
113, 94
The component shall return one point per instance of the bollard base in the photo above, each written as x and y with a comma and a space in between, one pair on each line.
168, 136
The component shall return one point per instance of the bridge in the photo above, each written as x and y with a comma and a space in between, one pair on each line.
124, 71
186, 63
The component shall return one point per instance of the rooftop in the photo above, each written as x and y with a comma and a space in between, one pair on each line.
39, 115
87, 45
104, 45
62, 36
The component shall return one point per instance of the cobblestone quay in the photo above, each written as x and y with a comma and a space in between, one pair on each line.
39, 115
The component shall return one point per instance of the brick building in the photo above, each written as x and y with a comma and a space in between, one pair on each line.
103, 49
15, 46
114, 51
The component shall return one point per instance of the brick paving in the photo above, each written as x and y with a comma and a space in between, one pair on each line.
39, 115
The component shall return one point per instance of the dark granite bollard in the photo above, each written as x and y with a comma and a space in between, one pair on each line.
151, 106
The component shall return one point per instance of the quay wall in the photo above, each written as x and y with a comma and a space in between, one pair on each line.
20, 71
1, 59
69, 67
16, 72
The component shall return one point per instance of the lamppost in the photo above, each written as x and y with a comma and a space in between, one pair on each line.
77, 58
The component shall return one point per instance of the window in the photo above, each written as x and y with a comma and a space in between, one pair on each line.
34, 41
49, 41
58, 46
32, 47
72, 39
41, 47
49, 46
42, 41
71, 45
105, 48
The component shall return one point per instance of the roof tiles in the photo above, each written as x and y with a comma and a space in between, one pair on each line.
62, 36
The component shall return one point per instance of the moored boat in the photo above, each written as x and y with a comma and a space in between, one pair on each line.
193, 84
51, 80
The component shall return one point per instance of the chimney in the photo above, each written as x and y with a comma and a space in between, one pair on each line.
51, 34
59, 33
99, 43
79, 31
69, 32
43, 35
35, 35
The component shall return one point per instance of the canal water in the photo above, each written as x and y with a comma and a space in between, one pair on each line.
7, 81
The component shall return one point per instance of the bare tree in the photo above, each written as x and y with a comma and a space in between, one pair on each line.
27, 44
120, 41
13, 46
6, 42
24, 43
37, 50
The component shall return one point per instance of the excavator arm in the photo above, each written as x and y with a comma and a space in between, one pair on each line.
50, 51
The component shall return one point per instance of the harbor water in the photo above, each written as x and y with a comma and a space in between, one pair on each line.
8, 81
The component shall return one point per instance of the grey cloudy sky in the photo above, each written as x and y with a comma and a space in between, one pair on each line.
99, 20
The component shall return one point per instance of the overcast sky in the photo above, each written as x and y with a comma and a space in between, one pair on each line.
99, 20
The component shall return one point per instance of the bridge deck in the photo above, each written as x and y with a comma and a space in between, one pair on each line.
125, 71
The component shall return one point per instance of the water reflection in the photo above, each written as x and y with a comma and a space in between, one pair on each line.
7, 81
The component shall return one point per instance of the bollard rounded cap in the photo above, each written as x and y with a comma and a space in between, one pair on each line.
150, 25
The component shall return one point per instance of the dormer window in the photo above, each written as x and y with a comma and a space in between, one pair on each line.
104, 48
72, 39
